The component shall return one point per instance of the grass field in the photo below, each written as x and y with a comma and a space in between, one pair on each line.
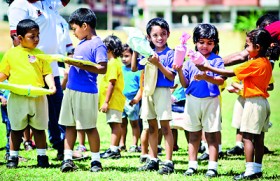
126, 167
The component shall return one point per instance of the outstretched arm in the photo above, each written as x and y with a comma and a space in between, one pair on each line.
236, 58
224, 72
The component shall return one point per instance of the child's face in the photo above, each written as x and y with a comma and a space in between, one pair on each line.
159, 37
126, 57
253, 51
78, 31
205, 46
30, 39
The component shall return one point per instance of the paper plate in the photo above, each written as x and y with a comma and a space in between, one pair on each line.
25, 90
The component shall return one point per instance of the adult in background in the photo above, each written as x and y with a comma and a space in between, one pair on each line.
44, 14
268, 22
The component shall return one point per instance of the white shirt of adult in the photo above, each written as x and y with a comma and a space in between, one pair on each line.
44, 14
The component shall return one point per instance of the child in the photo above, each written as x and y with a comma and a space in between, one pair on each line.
255, 74
79, 106
111, 98
133, 95
155, 107
5, 119
20, 66
202, 107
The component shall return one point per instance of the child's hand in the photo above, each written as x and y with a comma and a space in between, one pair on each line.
201, 76
203, 67
154, 59
104, 107
177, 68
53, 89
133, 101
3, 100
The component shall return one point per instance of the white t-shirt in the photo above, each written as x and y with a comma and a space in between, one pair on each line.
44, 14
64, 41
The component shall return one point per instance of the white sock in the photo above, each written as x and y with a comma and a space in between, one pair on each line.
193, 164
95, 156
41, 152
145, 156
249, 168
206, 148
240, 144
14, 153
212, 165
168, 161
154, 159
220, 148
257, 167
68, 154
114, 148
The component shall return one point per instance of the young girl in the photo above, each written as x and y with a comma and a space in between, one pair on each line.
155, 107
255, 74
202, 107
111, 98
133, 95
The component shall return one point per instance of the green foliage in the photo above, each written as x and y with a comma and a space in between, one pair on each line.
247, 23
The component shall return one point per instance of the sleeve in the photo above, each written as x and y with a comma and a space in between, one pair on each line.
245, 70
4, 65
101, 54
17, 12
112, 70
170, 59
218, 63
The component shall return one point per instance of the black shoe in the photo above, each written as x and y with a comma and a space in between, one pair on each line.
267, 151
235, 151
201, 148
143, 159
204, 156
95, 166
167, 168
60, 156
221, 155
111, 154
43, 161
12, 162
191, 171
68, 165
248, 177
160, 149
150, 165
211, 173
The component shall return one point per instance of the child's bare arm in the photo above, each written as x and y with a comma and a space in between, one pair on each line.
134, 67
65, 77
3, 77
50, 82
214, 80
109, 92
137, 97
184, 82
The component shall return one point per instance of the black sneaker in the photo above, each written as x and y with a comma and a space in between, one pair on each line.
12, 162
211, 173
123, 148
95, 166
236, 150
111, 154
167, 168
204, 156
201, 148
150, 165
143, 159
28, 145
248, 177
134, 149
160, 149
68, 166
43, 161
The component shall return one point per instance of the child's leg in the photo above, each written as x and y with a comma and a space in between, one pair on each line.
93, 139
153, 137
81, 140
248, 147
144, 141
259, 147
175, 136
194, 141
123, 132
15, 141
212, 146
70, 137
135, 131
166, 131
40, 138
115, 133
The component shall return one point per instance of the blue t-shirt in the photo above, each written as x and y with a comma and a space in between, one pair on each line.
202, 88
166, 58
82, 80
131, 82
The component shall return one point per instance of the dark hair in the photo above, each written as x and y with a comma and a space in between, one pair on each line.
156, 22
26, 25
126, 47
263, 38
208, 31
83, 15
113, 44
265, 20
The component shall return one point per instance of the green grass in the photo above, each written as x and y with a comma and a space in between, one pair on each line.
126, 167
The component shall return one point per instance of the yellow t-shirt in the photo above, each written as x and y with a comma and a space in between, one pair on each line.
23, 68
114, 71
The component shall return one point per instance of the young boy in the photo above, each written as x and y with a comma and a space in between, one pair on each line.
79, 106
20, 66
